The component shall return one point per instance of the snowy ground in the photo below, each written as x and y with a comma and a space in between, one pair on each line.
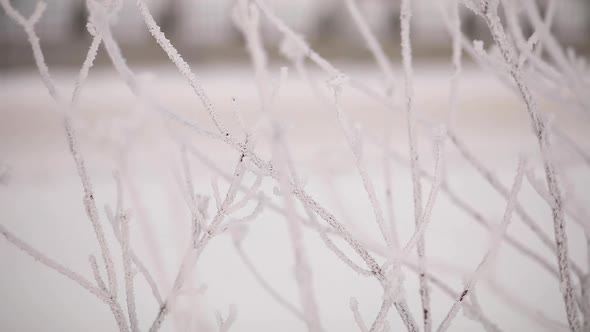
41, 200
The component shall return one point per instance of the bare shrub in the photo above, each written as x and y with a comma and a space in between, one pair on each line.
528, 65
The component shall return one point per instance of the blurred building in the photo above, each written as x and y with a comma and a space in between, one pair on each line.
205, 26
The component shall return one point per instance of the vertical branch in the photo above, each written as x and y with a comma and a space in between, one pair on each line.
29, 26
355, 143
71, 137
405, 20
115, 225
497, 30
129, 275
455, 19
246, 17
436, 184
194, 251
387, 178
88, 63
96, 273
382, 315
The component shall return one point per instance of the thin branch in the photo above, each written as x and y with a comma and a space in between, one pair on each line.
53, 265
501, 189
490, 255
372, 43
354, 307
96, 273
497, 31
129, 275
280, 299
89, 200
142, 269
406, 49
355, 143
179, 62
226, 324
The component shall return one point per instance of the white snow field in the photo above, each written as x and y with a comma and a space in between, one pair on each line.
41, 200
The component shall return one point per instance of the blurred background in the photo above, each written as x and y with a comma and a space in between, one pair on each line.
203, 31
41, 195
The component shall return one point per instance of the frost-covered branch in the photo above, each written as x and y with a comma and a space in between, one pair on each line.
497, 30
355, 142
265, 285
497, 185
88, 200
372, 43
490, 255
354, 307
128, 273
247, 18
406, 49
54, 265
226, 324
180, 63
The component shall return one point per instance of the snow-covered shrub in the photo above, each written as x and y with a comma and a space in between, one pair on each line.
528, 64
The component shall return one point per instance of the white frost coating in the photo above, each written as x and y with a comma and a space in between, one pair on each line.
436, 183
216, 195
96, 273
194, 251
280, 168
474, 5
236, 225
342, 256
28, 26
490, 255
128, 273
182, 65
539, 128
372, 44
52, 264
502, 190
139, 265
193, 201
88, 63
571, 209
354, 307
295, 38
395, 286
406, 48
456, 60
355, 142
89, 200
247, 19
299, 43
574, 79
248, 195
